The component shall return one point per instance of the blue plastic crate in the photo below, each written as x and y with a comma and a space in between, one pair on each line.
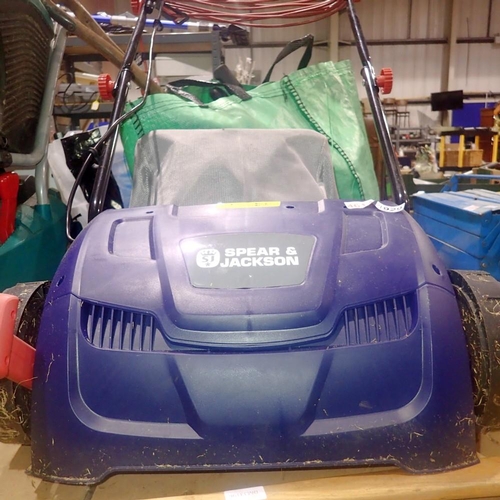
463, 226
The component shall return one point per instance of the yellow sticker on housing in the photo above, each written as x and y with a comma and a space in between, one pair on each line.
252, 204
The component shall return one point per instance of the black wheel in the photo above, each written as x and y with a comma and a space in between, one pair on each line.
478, 296
15, 400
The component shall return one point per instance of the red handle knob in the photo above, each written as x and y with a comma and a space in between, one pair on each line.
106, 87
385, 80
135, 6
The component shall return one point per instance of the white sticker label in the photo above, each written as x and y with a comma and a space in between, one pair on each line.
390, 209
351, 205
471, 208
256, 493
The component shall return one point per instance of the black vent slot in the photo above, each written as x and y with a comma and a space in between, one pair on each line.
384, 321
121, 330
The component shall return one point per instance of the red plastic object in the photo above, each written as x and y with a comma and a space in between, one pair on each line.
135, 5
16, 357
9, 186
385, 80
106, 87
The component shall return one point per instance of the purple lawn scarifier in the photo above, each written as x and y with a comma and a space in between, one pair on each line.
357, 364
300, 334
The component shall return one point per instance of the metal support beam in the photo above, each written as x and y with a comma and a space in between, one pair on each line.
217, 55
452, 21
490, 10
476, 39
333, 39
399, 41
410, 13
420, 41
273, 45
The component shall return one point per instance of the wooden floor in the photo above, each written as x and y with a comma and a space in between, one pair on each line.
480, 481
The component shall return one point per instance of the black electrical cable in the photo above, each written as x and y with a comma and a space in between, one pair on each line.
91, 156
93, 152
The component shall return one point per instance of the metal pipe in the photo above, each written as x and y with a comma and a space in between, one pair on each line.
384, 137
380, 121
130, 22
42, 187
410, 9
36, 157
476, 39
398, 41
490, 10
359, 38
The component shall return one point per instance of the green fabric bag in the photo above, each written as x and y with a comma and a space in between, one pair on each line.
323, 98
